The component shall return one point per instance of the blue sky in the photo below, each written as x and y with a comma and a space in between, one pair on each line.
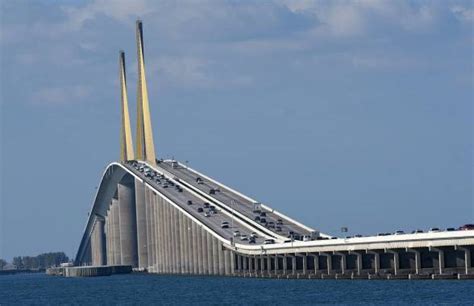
338, 113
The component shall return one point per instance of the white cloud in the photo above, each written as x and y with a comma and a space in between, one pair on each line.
122, 10
463, 14
61, 95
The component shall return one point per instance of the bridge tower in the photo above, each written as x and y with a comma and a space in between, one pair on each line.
126, 143
145, 147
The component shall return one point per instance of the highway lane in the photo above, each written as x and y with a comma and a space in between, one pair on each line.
214, 221
231, 199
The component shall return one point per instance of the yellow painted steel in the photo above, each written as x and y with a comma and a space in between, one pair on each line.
126, 142
145, 147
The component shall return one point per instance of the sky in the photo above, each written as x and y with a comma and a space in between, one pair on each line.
337, 113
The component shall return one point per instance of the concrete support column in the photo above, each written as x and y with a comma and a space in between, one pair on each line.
232, 262
417, 259
141, 224
195, 248
467, 258
128, 224
293, 264
226, 262
182, 243
316, 263
199, 250
239, 263
210, 253
215, 255
149, 228
269, 264
376, 260
285, 264
244, 264
107, 237
205, 259
157, 232
169, 254
396, 261
276, 264
328, 262
305, 264
99, 243
190, 245
160, 233
116, 230
221, 259
176, 241
343, 261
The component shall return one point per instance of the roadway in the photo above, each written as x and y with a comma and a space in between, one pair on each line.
181, 198
233, 200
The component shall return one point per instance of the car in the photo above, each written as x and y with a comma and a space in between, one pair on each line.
287, 241
263, 214
206, 214
212, 191
252, 240
257, 218
306, 238
434, 229
200, 209
279, 221
418, 231
257, 211
244, 237
179, 189
380, 234
269, 241
466, 227
190, 202
225, 225
399, 232
165, 185
263, 220
236, 233
254, 235
198, 179
206, 205
349, 237
212, 207
358, 236
278, 228
450, 229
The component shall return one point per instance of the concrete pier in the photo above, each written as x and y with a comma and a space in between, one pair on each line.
128, 224
141, 224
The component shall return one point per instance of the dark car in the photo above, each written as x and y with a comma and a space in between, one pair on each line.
206, 205
263, 214
212, 191
278, 228
257, 218
200, 209
279, 221
466, 227
263, 220
450, 229
190, 202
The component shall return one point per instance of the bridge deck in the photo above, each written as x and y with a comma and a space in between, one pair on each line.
232, 199
214, 221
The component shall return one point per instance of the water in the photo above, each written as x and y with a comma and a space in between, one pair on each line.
146, 289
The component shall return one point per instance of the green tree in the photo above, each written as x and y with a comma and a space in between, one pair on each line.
3, 263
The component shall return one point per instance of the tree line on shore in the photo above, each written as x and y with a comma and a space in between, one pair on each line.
42, 261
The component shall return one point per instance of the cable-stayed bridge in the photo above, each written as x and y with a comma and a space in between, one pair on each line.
165, 217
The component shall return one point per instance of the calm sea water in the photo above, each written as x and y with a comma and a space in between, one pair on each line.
180, 290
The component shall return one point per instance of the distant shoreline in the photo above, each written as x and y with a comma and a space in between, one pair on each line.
13, 271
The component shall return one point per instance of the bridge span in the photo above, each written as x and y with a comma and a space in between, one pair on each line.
162, 216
